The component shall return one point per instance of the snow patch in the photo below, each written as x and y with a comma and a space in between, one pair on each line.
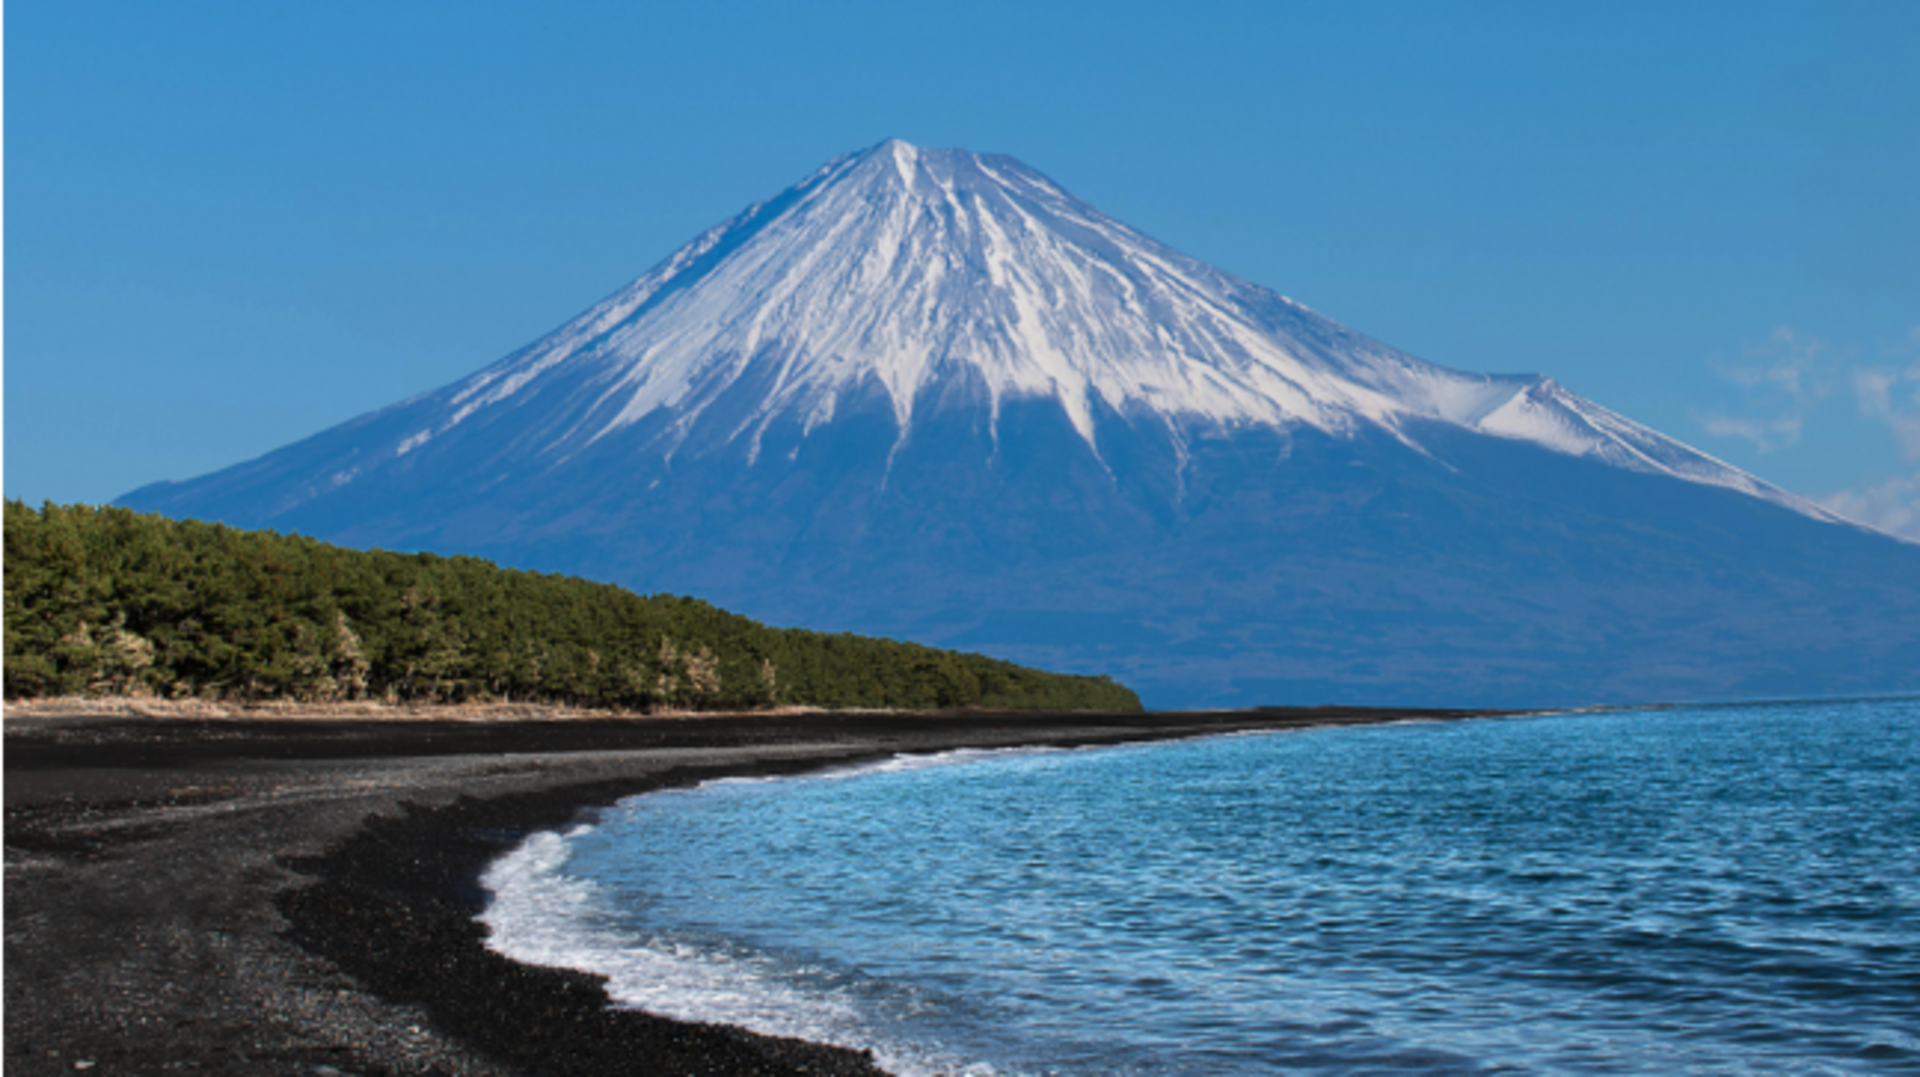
904, 266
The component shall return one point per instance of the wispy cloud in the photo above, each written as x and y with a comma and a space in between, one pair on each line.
1778, 384
1781, 380
1790, 362
1892, 506
1766, 435
1891, 393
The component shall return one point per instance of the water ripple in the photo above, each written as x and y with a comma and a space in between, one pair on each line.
1710, 890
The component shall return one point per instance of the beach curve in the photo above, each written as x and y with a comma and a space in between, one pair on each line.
242, 895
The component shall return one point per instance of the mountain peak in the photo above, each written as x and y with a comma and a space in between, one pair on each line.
932, 174
903, 271
931, 395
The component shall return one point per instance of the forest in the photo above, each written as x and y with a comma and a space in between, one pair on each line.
107, 601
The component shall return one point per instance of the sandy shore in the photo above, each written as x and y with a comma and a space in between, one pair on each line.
296, 894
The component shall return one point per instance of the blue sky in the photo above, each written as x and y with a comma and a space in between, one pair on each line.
231, 225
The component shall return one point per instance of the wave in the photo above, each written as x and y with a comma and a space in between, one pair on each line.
540, 915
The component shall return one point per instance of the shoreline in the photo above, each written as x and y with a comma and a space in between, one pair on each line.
297, 894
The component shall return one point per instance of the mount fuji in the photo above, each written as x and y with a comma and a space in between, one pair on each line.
930, 394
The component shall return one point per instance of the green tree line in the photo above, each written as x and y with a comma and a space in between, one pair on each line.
108, 601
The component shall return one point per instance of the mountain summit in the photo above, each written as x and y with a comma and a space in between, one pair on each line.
899, 271
931, 393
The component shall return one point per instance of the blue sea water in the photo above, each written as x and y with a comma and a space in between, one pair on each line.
1730, 889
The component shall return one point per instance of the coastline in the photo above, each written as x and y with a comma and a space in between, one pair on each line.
296, 894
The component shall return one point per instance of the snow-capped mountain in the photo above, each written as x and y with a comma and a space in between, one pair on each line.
931, 393
909, 268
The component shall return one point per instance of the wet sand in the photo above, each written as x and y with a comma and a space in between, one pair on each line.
296, 895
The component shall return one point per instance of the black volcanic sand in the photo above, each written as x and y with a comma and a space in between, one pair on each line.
297, 895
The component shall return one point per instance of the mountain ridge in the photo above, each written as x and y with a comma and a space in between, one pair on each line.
1305, 368
941, 369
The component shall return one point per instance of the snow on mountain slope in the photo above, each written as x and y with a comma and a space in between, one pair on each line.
904, 267
930, 395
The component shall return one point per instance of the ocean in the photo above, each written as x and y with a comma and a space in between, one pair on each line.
1719, 889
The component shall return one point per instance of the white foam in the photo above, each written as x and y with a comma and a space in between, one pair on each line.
910, 761
896, 764
540, 915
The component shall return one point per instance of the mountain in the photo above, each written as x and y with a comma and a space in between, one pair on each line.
930, 394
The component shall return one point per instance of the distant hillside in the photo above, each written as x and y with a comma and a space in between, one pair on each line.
109, 601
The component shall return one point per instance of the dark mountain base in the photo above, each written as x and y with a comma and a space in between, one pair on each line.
933, 396
1200, 567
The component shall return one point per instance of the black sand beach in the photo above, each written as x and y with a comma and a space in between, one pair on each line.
296, 895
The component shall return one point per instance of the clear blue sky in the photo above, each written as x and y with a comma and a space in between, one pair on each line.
232, 224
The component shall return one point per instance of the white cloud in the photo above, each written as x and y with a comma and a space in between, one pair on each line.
1892, 394
1790, 362
1892, 506
1766, 435
1781, 380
